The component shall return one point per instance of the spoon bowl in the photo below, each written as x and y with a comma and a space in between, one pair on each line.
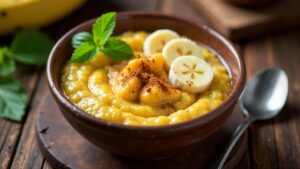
265, 94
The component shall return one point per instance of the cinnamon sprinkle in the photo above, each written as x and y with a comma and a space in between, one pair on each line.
145, 75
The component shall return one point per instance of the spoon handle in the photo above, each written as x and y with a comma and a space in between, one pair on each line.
235, 137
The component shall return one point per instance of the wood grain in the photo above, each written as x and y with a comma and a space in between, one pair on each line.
46, 165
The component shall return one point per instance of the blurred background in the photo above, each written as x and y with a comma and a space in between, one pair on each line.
237, 19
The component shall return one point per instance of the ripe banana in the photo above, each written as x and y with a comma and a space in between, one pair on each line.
190, 73
155, 42
33, 13
179, 47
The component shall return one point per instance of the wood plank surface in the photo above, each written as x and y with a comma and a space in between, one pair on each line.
237, 22
274, 144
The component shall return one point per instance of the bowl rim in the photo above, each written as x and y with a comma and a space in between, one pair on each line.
183, 126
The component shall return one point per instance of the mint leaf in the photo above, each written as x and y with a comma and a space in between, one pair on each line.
80, 38
3, 52
7, 67
117, 49
7, 63
103, 28
13, 100
84, 52
31, 47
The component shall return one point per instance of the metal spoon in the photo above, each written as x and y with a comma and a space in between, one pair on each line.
263, 98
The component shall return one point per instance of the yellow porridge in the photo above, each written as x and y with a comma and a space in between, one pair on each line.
142, 91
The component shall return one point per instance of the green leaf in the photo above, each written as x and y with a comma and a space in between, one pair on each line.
80, 38
84, 52
7, 63
103, 28
7, 67
31, 47
85, 49
117, 49
13, 100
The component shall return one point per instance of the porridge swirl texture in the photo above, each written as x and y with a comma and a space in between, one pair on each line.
92, 87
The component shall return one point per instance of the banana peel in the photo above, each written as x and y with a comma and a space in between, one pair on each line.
33, 13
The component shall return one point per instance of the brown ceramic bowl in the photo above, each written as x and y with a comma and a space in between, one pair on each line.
147, 142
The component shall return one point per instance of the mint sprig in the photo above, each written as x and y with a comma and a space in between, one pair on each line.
87, 46
29, 47
13, 100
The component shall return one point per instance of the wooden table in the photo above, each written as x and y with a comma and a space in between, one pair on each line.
274, 144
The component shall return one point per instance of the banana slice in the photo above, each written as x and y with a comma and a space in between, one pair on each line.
157, 40
179, 47
191, 74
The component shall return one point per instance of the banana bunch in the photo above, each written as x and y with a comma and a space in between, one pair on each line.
187, 68
33, 13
